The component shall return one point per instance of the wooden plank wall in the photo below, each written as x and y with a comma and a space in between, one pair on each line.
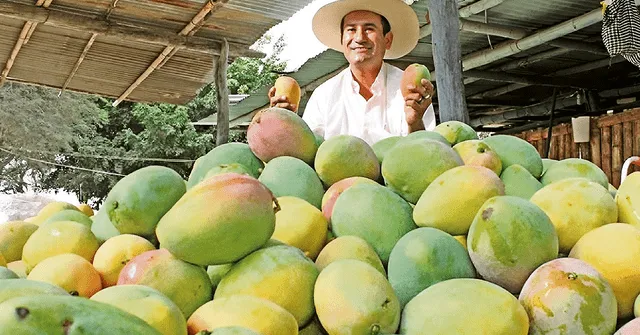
613, 139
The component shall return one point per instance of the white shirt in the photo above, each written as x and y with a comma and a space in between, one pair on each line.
337, 108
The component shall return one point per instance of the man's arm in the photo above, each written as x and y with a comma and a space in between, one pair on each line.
416, 104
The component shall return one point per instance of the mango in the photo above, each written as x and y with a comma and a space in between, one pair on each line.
547, 163
138, 201
289, 176
613, 250
424, 257
13, 236
241, 310
519, 182
575, 207
56, 238
70, 215
575, 168
314, 328
462, 239
5, 273
470, 306
12, 288
319, 139
86, 210
102, 227
71, 272
148, 304
509, 238
276, 132
54, 314
226, 168
352, 297
373, 213
613, 191
289, 88
225, 154
380, 148
281, 274
19, 268
233, 330
628, 200
217, 272
456, 132
3, 261
427, 135
50, 209
569, 294
345, 156
329, 198
349, 247
115, 253
205, 232
514, 150
187, 285
452, 200
410, 166
630, 328
476, 152
301, 225
413, 75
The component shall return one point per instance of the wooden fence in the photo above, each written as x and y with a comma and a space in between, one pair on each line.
613, 139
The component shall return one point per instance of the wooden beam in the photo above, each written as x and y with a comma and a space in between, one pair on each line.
527, 79
448, 60
111, 8
80, 60
125, 33
45, 4
222, 126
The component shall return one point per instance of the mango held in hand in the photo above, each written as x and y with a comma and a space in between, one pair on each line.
413, 75
219, 221
288, 87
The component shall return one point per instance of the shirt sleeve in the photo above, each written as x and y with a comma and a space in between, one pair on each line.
313, 115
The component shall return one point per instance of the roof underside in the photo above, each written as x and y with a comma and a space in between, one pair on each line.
112, 64
509, 108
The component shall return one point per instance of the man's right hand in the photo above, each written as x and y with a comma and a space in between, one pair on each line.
281, 102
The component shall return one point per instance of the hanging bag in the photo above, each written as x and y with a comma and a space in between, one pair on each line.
621, 29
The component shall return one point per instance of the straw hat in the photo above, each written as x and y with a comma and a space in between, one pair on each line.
403, 20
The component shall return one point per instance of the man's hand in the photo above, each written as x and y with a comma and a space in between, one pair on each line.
282, 102
416, 104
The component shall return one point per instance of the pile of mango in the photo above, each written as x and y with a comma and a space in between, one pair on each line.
438, 232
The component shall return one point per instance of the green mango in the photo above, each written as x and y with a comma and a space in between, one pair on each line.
12, 288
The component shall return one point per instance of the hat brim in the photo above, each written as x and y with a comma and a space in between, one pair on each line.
403, 20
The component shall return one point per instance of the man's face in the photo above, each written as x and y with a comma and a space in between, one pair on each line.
363, 39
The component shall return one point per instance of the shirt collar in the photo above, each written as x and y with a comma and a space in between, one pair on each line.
378, 85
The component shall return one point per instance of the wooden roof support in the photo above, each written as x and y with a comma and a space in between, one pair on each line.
207, 9
222, 125
80, 60
156, 36
45, 4
112, 7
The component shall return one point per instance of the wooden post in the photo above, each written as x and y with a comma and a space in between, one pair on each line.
448, 60
223, 95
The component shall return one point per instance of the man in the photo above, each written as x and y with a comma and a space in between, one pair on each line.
365, 99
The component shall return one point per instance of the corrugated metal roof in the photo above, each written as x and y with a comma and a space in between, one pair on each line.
112, 65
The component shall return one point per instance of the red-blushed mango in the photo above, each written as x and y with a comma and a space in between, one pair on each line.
630, 328
476, 152
201, 231
13, 236
423, 257
331, 195
69, 271
281, 274
613, 250
276, 132
289, 88
574, 168
470, 306
241, 310
349, 247
413, 75
345, 156
187, 285
411, 165
628, 200
225, 154
456, 132
514, 150
373, 213
352, 297
568, 294
290, 176
115, 253
508, 239
575, 207
452, 200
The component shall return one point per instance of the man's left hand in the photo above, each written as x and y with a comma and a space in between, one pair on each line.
417, 102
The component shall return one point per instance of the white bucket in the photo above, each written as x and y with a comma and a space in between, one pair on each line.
581, 129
